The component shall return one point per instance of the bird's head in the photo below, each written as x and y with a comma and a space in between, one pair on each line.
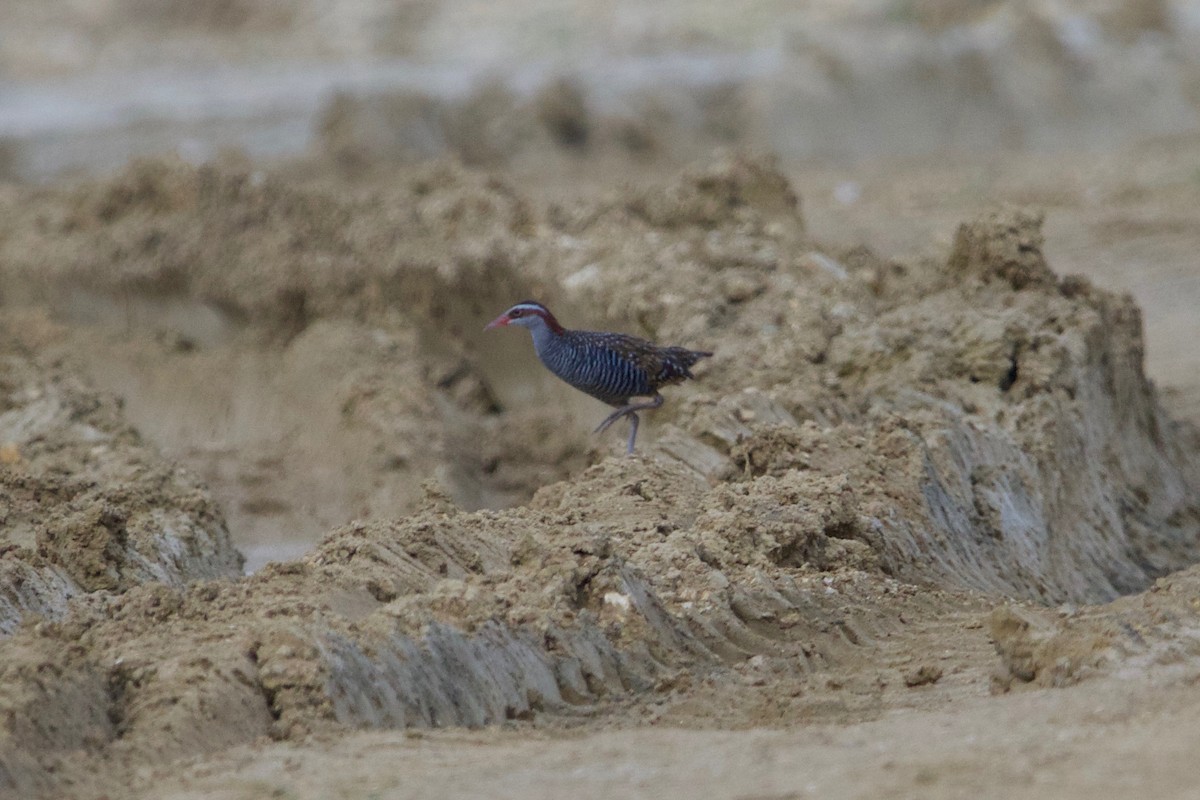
527, 314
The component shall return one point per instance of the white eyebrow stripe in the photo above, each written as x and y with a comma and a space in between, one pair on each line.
528, 307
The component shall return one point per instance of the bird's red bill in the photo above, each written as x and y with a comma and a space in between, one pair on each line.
498, 322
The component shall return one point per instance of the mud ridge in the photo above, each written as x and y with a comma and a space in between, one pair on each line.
88, 507
866, 436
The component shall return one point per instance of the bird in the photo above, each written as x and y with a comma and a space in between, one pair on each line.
612, 367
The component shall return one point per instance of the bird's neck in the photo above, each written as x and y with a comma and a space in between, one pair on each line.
550, 322
545, 337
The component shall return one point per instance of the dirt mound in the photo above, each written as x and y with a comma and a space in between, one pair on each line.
446, 618
264, 325
1039, 647
1004, 388
867, 437
978, 376
87, 505
563, 121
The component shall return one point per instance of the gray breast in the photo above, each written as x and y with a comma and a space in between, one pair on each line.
598, 371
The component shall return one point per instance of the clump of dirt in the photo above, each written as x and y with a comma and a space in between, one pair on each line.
1006, 245
864, 441
87, 505
1041, 647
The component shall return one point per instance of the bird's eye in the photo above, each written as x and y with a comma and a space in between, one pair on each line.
516, 313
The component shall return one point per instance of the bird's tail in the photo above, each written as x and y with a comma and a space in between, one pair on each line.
679, 360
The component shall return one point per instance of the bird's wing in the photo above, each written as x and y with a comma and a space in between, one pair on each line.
660, 365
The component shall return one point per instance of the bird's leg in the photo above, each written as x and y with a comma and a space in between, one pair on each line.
654, 402
630, 411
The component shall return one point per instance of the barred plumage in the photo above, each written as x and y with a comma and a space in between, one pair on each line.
612, 367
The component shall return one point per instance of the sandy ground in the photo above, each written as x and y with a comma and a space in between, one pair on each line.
1107, 741
924, 526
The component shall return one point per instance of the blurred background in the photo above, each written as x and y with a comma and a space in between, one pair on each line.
87, 85
895, 120
926, 106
